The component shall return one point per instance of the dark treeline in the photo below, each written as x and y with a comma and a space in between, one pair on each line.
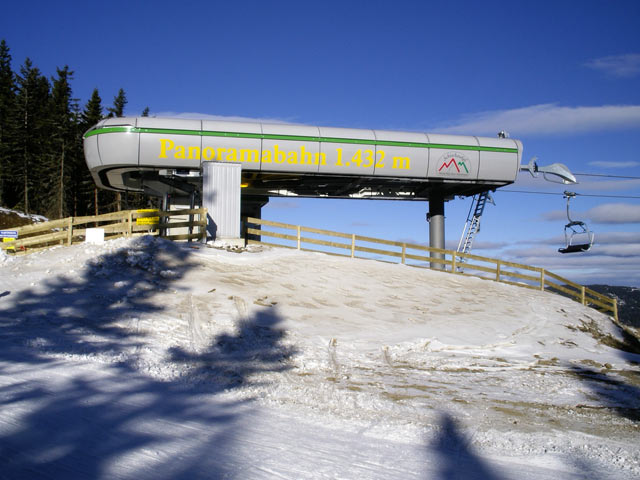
42, 166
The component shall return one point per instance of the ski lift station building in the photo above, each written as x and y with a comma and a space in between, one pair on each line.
232, 168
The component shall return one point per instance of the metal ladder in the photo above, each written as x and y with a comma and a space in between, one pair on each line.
472, 225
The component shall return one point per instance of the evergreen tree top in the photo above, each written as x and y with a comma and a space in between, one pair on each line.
119, 102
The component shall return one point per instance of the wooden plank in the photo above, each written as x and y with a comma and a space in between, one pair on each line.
482, 268
37, 240
269, 223
275, 245
197, 223
172, 213
478, 258
563, 280
378, 251
507, 273
440, 261
606, 306
265, 233
105, 217
601, 298
182, 236
39, 227
417, 257
380, 241
142, 228
317, 241
573, 294
598, 295
115, 227
328, 233
521, 266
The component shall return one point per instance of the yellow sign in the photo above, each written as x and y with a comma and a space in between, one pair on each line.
5, 240
147, 220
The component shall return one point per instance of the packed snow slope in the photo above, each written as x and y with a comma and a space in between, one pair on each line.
144, 359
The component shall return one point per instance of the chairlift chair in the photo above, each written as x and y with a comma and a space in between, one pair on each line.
577, 236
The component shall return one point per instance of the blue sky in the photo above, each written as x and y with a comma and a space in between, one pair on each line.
562, 76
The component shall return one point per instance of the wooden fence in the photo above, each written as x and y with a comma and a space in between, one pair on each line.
354, 246
126, 223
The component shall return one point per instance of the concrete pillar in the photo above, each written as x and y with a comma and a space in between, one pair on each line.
221, 197
436, 229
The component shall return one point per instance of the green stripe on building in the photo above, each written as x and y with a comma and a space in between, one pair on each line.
295, 138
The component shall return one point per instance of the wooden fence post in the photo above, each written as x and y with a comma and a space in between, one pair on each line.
353, 245
583, 297
453, 263
130, 226
298, 228
497, 270
404, 253
70, 231
542, 279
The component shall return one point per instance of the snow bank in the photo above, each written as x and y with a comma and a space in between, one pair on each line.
183, 360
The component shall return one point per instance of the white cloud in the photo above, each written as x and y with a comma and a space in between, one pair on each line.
605, 164
607, 213
547, 119
555, 215
613, 213
206, 116
606, 238
623, 66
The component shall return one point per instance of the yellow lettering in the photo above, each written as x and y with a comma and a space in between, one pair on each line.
194, 153
209, 153
403, 163
180, 152
247, 155
220, 150
266, 156
321, 158
232, 155
278, 155
305, 157
165, 146
292, 157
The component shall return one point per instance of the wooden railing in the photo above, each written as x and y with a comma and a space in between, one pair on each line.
351, 245
126, 223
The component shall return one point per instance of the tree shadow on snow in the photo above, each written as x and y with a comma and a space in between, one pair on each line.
115, 421
231, 360
615, 394
455, 457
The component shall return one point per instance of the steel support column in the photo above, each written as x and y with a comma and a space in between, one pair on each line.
436, 229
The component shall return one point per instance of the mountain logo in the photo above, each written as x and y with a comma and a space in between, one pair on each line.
454, 163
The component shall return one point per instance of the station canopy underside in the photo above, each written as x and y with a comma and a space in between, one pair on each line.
260, 184
337, 186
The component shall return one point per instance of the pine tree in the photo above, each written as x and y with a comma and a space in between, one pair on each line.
90, 116
145, 112
64, 149
32, 136
7, 120
119, 102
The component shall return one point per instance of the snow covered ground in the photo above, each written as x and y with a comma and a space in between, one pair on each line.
152, 360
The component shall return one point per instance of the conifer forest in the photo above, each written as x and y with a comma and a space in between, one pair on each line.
42, 166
